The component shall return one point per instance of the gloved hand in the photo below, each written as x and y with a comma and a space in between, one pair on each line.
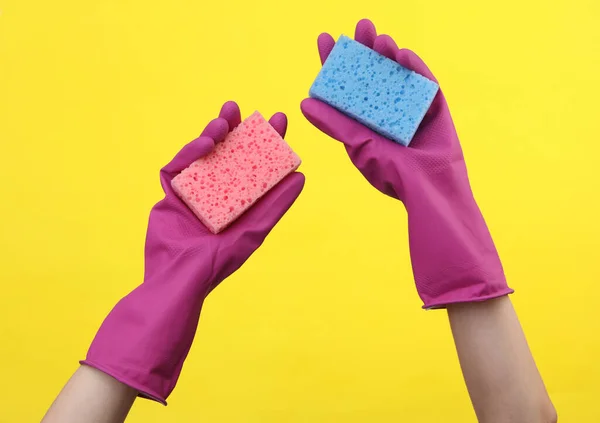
453, 256
145, 339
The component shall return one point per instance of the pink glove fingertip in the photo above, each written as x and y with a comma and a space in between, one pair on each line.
412, 61
386, 46
232, 114
325, 44
279, 122
365, 32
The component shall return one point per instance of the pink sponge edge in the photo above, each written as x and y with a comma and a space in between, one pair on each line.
190, 204
221, 186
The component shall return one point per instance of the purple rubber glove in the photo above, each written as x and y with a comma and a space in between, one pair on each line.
453, 256
145, 339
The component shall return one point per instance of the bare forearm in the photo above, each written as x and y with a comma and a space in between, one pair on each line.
91, 396
501, 376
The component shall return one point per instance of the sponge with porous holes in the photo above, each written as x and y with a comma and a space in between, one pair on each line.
250, 161
374, 90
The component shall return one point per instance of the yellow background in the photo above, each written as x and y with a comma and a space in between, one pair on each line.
323, 324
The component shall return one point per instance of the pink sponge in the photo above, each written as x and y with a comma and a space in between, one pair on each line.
250, 161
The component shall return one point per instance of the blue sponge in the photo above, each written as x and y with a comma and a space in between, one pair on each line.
374, 90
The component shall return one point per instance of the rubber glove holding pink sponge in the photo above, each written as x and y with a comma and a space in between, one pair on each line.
146, 337
453, 256
220, 186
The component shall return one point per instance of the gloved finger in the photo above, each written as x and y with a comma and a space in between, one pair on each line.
191, 152
410, 60
386, 46
279, 122
231, 113
256, 223
217, 129
365, 33
325, 43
